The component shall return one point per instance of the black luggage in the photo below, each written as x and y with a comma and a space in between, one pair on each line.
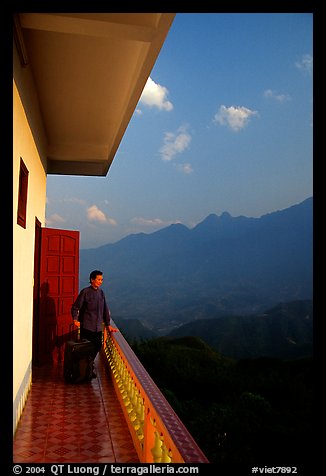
78, 361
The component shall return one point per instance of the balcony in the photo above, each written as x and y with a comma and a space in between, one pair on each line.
120, 417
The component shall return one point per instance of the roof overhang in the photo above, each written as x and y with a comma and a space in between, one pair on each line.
89, 70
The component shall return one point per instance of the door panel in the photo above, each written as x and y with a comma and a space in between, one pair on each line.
58, 289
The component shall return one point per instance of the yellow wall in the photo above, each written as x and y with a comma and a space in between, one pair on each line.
23, 251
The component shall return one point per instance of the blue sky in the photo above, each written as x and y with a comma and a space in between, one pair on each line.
225, 123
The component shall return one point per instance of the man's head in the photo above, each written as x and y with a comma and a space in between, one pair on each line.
96, 278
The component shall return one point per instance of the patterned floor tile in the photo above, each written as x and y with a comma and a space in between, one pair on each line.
64, 423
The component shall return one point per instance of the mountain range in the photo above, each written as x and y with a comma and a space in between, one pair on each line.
284, 332
223, 266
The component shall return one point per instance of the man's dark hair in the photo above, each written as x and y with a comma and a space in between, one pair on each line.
95, 273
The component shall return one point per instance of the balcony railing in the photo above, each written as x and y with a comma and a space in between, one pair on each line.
158, 434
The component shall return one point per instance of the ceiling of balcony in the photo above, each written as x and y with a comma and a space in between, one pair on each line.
89, 71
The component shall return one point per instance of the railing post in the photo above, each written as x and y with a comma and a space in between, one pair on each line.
150, 418
157, 448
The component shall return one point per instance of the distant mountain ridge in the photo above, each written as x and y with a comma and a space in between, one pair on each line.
225, 264
285, 332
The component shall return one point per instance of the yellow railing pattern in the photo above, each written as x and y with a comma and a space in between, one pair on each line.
150, 418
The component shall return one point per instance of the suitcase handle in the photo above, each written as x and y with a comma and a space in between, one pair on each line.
78, 331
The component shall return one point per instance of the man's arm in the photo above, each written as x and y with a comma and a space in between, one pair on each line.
75, 308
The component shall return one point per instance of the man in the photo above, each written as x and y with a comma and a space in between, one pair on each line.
90, 311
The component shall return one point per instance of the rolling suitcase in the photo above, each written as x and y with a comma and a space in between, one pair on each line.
78, 360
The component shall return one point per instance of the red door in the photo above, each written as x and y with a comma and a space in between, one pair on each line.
59, 272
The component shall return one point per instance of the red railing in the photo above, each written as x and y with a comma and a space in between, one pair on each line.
158, 434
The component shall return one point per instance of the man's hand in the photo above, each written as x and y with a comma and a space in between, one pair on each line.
77, 323
112, 329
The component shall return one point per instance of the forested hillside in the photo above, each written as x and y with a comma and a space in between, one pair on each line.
242, 413
284, 331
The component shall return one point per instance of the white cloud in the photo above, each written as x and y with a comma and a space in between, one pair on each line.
185, 168
155, 95
175, 143
147, 221
151, 223
278, 97
94, 214
235, 117
79, 201
305, 64
54, 219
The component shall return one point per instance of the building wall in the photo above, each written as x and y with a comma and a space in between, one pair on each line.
24, 146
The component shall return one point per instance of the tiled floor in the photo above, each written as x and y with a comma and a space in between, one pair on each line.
64, 423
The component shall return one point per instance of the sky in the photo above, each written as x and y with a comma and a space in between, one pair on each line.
224, 123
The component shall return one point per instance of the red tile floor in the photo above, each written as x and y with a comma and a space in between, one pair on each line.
65, 423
